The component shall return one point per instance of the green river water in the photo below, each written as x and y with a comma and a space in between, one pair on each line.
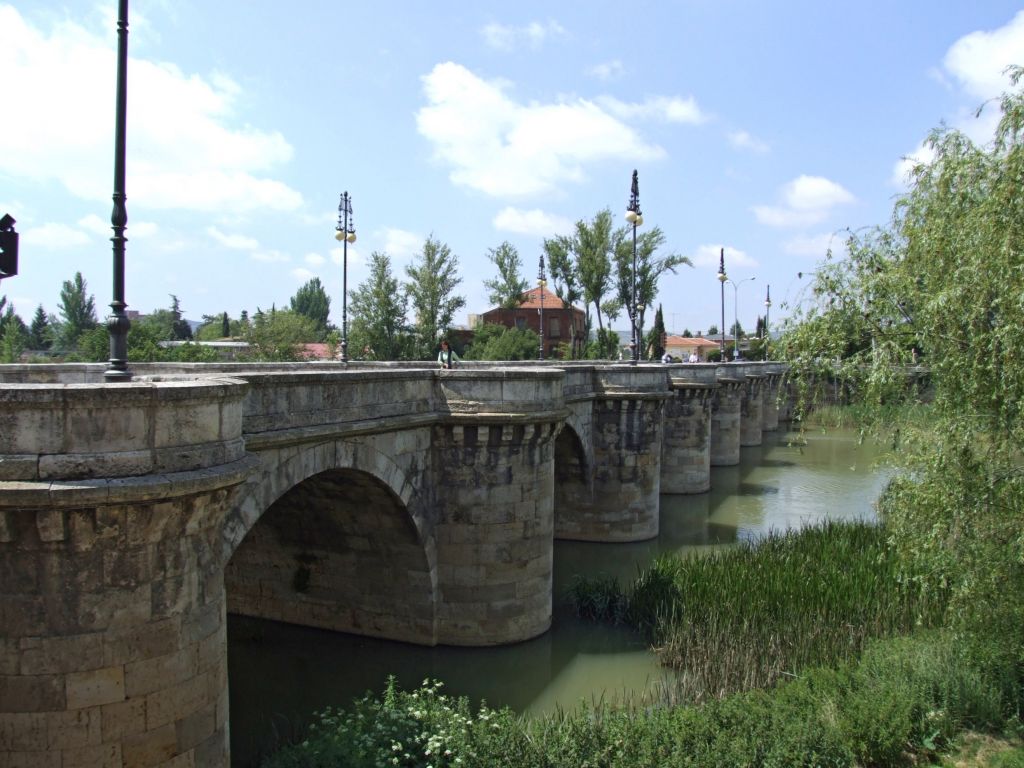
280, 674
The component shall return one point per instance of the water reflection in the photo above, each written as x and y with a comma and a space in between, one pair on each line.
280, 673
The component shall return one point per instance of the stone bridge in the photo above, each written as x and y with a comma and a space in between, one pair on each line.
390, 500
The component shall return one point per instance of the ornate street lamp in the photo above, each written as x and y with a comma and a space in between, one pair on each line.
736, 315
541, 282
346, 233
721, 279
118, 322
636, 218
767, 313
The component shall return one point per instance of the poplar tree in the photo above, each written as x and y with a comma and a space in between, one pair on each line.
506, 290
433, 278
378, 310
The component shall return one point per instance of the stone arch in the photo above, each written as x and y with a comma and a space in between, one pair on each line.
334, 536
574, 475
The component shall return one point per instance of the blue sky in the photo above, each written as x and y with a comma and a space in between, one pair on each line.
763, 128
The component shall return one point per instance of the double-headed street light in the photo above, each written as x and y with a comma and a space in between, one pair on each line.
636, 218
541, 282
736, 315
722, 277
767, 313
346, 233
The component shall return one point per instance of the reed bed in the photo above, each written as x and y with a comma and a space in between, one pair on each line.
749, 616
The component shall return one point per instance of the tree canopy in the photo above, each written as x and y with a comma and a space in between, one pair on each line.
433, 278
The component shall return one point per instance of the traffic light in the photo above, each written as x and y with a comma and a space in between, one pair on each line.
8, 247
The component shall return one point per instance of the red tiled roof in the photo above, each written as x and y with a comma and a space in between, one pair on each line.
687, 341
531, 300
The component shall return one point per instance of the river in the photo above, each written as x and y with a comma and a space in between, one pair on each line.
281, 673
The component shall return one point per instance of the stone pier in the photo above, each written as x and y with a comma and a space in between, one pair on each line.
725, 421
751, 410
686, 452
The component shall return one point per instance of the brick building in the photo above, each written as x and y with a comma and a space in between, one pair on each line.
562, 324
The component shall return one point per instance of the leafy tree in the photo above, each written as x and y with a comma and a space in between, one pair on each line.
736, 330
13, 333
278, 334
655, 341
312, 301
582, 266
712, 331
498, 342
77, 310
433, 277
687, 334
506, 291
941, 285
378, 310
40, 330
564, 274
649, 269
225, 326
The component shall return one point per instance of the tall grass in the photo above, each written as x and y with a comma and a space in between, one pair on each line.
745, 617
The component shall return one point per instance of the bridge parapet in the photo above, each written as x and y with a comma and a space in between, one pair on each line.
112, 648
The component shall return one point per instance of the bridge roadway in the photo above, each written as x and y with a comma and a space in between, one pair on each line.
385, 499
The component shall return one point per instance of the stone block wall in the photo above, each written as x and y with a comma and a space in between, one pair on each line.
112, 620
725, 422
751, 410
495, 497
686, 448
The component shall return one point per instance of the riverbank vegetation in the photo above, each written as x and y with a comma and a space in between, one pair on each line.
874, 646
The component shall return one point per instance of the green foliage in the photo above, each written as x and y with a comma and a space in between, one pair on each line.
77, 310
941, 286
748, 616
506, 291
276, 335
312, 301
213, 328
433, 278
40, 333
897, 706
497, 342
378, 310
649, 268
604, 347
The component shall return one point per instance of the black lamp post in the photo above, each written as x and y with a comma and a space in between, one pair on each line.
118, 322
767, 313
736, 315
346, 233
541, 282
636, 218
722, 277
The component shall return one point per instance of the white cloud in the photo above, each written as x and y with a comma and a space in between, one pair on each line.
608, 70
270, 256
53, 236
314, 259
805, 201
236, 242
503, 148
532, 222
303, 274
399, 243
744, 140
976, 63
136, 230
669, 109
354, 256
901, 171
978, 60
183, 149
815, 246
505, 37
708, 256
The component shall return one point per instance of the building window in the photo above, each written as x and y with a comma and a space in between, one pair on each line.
521, 323
555, 326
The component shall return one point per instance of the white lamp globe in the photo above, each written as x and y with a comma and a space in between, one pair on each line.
351, 237
639, 220
339, 235
631, 216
